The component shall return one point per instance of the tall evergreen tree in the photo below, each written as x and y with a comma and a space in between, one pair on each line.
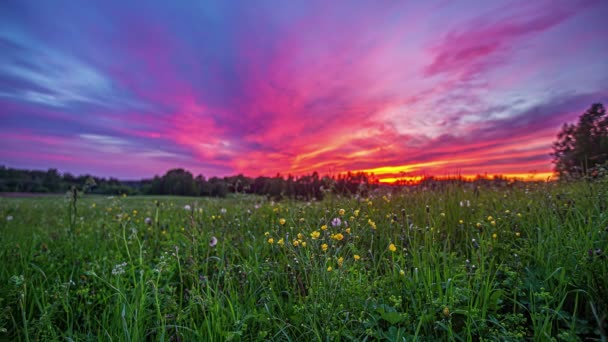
582, 146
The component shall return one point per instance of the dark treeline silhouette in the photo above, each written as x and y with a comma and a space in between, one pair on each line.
51, 181
181, 182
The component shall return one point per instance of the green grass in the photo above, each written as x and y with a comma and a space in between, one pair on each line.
521, 262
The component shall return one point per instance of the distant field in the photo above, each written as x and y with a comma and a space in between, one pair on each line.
526, 261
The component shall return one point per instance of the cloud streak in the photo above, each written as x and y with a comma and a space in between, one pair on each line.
224, 88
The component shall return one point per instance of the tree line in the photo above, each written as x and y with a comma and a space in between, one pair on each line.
181, 182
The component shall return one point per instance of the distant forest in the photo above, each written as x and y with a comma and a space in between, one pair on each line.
181, 182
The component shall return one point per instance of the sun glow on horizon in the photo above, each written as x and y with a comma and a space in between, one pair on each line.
542, 176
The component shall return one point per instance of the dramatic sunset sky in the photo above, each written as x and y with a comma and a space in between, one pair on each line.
131, 89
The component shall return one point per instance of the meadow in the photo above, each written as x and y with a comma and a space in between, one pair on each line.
521, 261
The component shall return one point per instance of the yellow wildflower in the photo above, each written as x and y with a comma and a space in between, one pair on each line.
461, 221
401, 272
266, 234
338, 236
324, 247
271, 241
329, 269
303, 243
493, 223
518, 234
340, 261
356, 257
494, 236
280, 242
341, 212
315, 235
356, 212
282, 221
324, 227
371, 223
490, 218
392, 247
296, 243
347, 230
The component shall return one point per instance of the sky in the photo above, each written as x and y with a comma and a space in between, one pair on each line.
131, 89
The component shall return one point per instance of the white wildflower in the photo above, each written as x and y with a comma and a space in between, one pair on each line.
119, 269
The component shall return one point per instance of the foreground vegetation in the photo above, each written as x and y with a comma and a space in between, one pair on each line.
517, 262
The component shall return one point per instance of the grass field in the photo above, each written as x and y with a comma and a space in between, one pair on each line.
519, 262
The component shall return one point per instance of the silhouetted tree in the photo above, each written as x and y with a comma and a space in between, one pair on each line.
582, 146
179, 182
218, 186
